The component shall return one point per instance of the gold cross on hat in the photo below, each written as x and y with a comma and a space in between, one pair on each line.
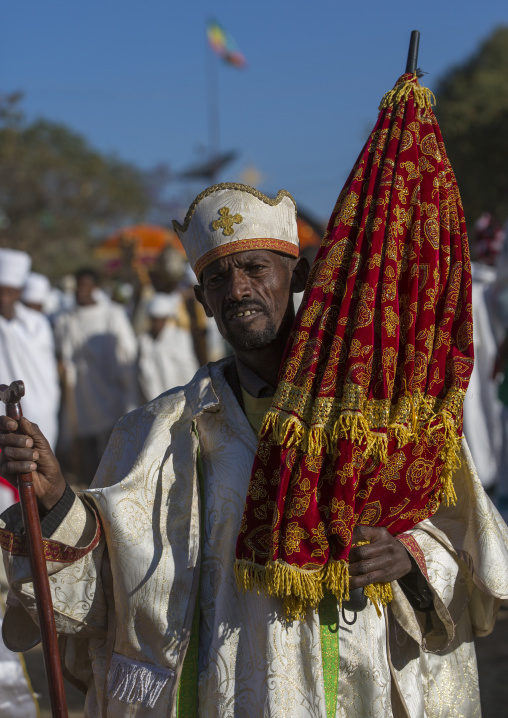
226, 221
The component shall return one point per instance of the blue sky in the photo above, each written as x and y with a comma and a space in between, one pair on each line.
131, 76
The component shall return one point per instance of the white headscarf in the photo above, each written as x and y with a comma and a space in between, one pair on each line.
14, 268
37, 289
163, 305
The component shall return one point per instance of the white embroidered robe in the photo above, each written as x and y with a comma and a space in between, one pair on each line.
125, 605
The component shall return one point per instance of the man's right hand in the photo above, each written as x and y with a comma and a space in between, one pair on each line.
29, 452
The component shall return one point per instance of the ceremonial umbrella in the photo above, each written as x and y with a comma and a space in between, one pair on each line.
137, 248
144, 242
366, 421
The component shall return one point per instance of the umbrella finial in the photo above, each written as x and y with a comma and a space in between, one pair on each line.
412, 55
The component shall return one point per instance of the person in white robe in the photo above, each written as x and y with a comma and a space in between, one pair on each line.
482, 408
36, 292
98, 350
27, 349
151, 545
166, 352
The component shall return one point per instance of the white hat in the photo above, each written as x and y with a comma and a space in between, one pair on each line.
163, 305
228, 218
37, 289
14, 268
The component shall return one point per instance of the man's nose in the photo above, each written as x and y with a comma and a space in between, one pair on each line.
239, 285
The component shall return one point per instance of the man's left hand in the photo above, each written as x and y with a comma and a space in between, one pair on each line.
383, 559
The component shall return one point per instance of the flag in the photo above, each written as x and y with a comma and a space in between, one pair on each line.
223, 45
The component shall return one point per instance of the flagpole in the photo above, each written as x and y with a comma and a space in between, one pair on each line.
213, 104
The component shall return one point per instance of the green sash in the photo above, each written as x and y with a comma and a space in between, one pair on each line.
329, 629
187, 697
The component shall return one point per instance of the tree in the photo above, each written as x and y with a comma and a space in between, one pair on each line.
472, 110
55, 190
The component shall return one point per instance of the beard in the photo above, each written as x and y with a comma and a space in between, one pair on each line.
253, 339
247, 339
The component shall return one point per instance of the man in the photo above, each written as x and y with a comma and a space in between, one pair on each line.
26, 345
483, 423
97, 349
148, 555
166, 353
26, 351
36, 292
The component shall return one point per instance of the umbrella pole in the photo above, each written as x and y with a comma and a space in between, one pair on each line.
412, 55
30, 512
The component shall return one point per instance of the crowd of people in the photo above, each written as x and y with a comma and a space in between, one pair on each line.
83, 364
486, 402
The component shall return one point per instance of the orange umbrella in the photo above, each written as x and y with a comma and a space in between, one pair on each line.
145, 241
307, 233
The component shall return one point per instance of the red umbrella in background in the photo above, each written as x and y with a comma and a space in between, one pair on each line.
365, 425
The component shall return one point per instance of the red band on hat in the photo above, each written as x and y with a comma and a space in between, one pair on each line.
245, 245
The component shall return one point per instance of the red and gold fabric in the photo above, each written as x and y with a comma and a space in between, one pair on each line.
17, 545
366, 420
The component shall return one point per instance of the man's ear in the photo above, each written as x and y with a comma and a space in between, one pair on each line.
300, 273
199, 293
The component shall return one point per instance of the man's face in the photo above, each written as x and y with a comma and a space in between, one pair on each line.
249, 294
8, 298
84, 290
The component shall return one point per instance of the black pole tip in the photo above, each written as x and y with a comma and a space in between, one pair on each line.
412, 55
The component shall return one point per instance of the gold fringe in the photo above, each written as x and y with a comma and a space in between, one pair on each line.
423, 97
298, 588
336, 579
288, 431
450, 457
379, 594
402, 434
301, 589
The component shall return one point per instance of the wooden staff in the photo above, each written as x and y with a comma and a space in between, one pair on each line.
11, 396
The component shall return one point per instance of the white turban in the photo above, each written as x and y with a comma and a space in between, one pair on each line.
163, 305
37, 289
14, 268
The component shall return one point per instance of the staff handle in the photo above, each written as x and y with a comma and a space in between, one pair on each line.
31, 521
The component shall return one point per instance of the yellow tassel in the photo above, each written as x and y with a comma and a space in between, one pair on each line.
288, 431
318, 437
450, 455
401, 433
379, 594
423, 97
336, 579
298, 588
